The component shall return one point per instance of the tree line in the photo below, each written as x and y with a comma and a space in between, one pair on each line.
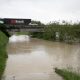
61, 32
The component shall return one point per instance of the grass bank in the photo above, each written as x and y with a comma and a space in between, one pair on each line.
3, 53
67, 75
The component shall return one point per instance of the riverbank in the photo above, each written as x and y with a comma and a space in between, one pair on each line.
3, 53
67, 75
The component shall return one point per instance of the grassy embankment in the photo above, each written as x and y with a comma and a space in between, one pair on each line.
67, 75
3, 53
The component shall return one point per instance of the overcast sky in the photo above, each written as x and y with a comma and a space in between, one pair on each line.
42, 10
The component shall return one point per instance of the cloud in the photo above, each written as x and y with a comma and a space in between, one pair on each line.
43, 10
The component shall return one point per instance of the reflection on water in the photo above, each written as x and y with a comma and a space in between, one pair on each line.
35, 59
20, 38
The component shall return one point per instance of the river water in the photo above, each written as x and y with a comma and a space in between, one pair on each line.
35, 59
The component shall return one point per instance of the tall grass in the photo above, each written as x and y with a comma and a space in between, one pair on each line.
3, 53
67, 75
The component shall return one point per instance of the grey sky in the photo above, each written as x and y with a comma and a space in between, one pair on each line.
43, 10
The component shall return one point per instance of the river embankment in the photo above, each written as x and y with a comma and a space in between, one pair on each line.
3, 52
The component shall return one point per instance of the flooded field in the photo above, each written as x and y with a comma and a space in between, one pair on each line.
35, 59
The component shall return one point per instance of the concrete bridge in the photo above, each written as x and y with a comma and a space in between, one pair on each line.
12, 25
20, 25
24, 28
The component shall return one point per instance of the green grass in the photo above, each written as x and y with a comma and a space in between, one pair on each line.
22, 33
67, 75
3, 53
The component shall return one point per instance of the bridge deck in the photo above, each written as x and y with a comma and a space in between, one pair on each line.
27, 28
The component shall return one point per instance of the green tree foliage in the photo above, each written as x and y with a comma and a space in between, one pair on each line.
67, 32
3, 29
37, 22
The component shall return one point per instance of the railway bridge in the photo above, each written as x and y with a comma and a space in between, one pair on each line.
13, 25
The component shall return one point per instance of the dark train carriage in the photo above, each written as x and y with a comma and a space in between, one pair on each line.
13, 21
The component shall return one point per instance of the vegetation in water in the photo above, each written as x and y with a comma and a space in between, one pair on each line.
67, 75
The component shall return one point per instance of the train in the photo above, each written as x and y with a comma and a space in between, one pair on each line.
15, 21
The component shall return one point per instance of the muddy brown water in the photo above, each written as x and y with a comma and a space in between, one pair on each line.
35, 59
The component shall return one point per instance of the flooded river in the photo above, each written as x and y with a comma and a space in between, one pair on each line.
35, 59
